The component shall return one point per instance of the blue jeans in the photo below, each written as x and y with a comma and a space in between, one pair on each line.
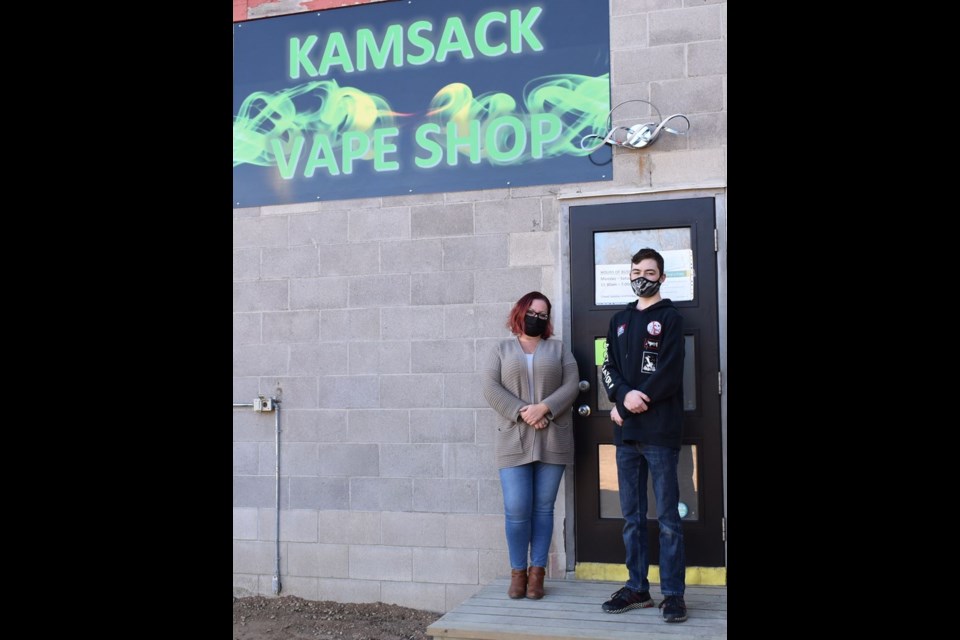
529, 492
633, 462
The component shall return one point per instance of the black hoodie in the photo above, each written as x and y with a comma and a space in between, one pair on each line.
645, 352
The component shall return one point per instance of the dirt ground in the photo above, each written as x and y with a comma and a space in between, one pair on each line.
293, 618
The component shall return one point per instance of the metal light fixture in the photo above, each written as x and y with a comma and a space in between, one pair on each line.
636, 136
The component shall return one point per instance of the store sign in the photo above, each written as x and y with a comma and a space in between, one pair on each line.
419, 97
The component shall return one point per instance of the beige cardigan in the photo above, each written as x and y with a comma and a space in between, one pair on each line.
555, 380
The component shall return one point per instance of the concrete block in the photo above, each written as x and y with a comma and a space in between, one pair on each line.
291, 326
626, 7
551, 213
470, 461
475, 252
349, 527
537, 190
505, 285
443, 495
249, 426
245, 458
246, 328
319, 560
688, 96
708, 130
475, 531
631, 168
412, 391
441, 288
527, 249
435, 220
289, 262
245, 524
379, 224
246, 212
314, 425
348, 590
441, 425
300, 587
443, 356
259, 491
318, 293
297, 459
412, 199
686, 167
373, 562
411, 461
260, 295
627, 32
379, 357
259, 232
645, 65
392, 494
246, 264
493, 564
295, 392
491, 496
457, 594
319, 493
383, 291
475, 196
244, 391
707, 58
255, 557
416, 595
348, 460
446, 566
477, 321
379, 425
328, 227
349, 324
504, 216
626, 105
349, 392
351, 259
409, 323
351, 204
286, 209
260, 360
690, 24
297, 525
462, 390
244, 585
412, 529
486, 425
324, 359
411, 256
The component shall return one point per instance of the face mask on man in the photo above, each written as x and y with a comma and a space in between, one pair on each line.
534, 326
645, 288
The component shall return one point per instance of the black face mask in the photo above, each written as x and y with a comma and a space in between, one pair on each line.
534, 326
645, 288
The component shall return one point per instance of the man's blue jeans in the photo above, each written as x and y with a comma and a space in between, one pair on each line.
529, 492
634, 460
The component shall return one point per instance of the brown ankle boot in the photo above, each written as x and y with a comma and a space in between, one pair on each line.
535, 583
518, 583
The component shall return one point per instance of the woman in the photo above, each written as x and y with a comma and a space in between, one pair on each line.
531, 382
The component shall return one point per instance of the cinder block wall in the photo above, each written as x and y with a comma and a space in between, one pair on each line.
372, 317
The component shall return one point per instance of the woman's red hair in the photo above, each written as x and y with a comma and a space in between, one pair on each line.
515, 319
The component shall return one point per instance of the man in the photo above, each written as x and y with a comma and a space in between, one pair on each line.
643, 375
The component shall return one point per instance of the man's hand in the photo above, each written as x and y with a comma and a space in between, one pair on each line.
636, 401
615, 416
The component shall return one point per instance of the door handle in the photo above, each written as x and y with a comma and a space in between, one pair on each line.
584, 385
584, 410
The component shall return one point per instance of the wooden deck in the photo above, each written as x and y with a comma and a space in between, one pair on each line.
570, 610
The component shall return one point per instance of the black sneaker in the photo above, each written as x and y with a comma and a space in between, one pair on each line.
626, 599
674, 609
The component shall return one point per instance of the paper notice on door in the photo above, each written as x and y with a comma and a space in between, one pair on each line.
613, 280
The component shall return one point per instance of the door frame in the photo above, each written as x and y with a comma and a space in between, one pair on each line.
645, 194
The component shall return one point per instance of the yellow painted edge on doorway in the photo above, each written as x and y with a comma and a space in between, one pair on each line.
618, 573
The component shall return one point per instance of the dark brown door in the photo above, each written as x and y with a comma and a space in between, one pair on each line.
602, 240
